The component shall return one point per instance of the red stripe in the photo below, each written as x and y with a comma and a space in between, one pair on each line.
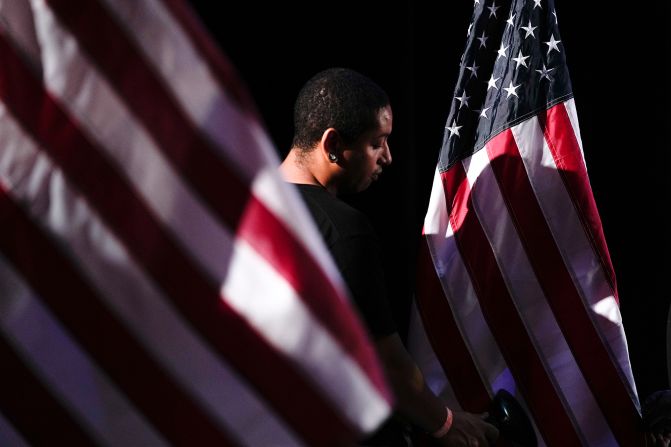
500, 313
194, 158
218, 64
567, 155
53, 276
31, 407
156, 251
446, 339
560, 291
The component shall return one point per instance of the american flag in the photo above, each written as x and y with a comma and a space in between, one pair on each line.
159, 283
515, 288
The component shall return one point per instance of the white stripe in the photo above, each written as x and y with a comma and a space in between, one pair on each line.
435, 224
436, 220
169, 50
427, 361
459, 292
9, 437
66, 370
573, 117
304, 340
569, 234
33, 179
16, 16
463, 301
538, 318
484, 348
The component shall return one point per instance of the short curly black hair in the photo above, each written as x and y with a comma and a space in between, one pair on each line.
340, 98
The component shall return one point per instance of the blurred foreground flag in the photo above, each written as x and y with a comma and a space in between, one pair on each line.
515, 288
159, 284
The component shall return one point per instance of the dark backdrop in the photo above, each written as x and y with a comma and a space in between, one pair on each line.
618, 63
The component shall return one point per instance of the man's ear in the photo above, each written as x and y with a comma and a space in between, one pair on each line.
331, 145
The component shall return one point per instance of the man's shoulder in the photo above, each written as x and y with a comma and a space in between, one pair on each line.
327, 209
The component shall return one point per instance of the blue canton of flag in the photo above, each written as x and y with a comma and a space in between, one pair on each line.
511, 69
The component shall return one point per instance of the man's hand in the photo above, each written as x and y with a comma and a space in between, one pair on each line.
469, 430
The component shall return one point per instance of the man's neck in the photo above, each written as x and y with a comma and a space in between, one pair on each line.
304, 170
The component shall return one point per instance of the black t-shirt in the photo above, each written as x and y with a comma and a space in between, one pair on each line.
354, 246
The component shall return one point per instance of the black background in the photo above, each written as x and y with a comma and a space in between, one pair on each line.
618, 60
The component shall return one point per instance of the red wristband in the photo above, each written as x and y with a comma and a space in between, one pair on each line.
442, 431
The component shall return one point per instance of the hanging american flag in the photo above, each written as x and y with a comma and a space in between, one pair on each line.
516, 289
159, 284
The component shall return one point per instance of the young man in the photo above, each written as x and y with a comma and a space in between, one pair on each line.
342, 122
